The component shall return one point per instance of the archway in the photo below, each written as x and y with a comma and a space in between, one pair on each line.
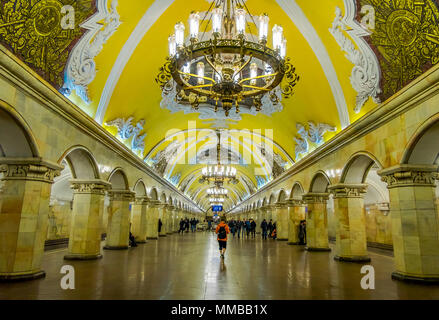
16, 139
362, 168
79, 164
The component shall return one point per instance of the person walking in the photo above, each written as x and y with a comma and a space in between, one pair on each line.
253, 228
247, 228
238, 227
181, 226
232, 226
186, 225
222, 230
270, 228
274, 232
302, 232
160, 225
264, 227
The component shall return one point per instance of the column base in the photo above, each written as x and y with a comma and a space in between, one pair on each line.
281, 239
294, 243
152, 238
82, 256
169, 233
355, 259
116, 247
162, 235
317, 249
408, 278
15, 277
140, 241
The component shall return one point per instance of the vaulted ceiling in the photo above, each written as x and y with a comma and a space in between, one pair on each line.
345, 51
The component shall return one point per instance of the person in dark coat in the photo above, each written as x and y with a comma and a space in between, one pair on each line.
181, 226
238, 227
302, 232
253, 228
160, 225
186, 224
264, 227
270, 228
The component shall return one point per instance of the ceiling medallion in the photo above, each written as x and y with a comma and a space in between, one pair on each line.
232, 69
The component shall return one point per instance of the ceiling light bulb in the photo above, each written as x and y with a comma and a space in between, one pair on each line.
194, 25
277, 37
240, 21
179, 34
172, 45
217, 17
200, 72
283, 48
253, 73
263, 27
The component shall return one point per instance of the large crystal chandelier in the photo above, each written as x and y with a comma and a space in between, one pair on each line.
218, 174
229, 66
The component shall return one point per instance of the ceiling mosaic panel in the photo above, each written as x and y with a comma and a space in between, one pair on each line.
405, 39
33, 31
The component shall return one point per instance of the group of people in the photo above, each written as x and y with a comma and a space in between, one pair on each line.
269, 229
247, 227
244, 228
186, 224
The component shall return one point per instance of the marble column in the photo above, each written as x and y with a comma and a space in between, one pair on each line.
316, 222
152, 220
119, 219
296, 213
88, 209
163, 216
169, 219
351, 240
24, 209
139, 224
281, 210
415, 221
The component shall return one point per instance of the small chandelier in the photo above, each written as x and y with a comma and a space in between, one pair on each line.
230, 69
217, 191
218, 174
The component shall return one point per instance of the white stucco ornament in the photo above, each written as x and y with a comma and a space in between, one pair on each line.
366, 74
126, 130
81, 67
314, 134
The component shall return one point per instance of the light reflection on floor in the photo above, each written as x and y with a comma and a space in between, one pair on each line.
189, 267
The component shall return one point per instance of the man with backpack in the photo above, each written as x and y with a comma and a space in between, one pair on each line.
222, 230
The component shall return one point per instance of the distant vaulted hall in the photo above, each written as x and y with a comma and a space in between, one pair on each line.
219, 150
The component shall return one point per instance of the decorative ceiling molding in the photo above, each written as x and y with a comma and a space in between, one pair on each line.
314, 134
147, 21
298, 17
81, 67
126, 129
366, 74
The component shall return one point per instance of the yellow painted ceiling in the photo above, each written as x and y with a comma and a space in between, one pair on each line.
136, 93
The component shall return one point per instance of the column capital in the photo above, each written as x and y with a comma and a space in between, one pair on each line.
279, 205
346, 190
410, 175
123, 195
142, 200
89, 186
294, 203
315, 197
154, 203
34, 169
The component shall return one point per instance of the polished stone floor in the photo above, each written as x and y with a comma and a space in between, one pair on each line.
189, 267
